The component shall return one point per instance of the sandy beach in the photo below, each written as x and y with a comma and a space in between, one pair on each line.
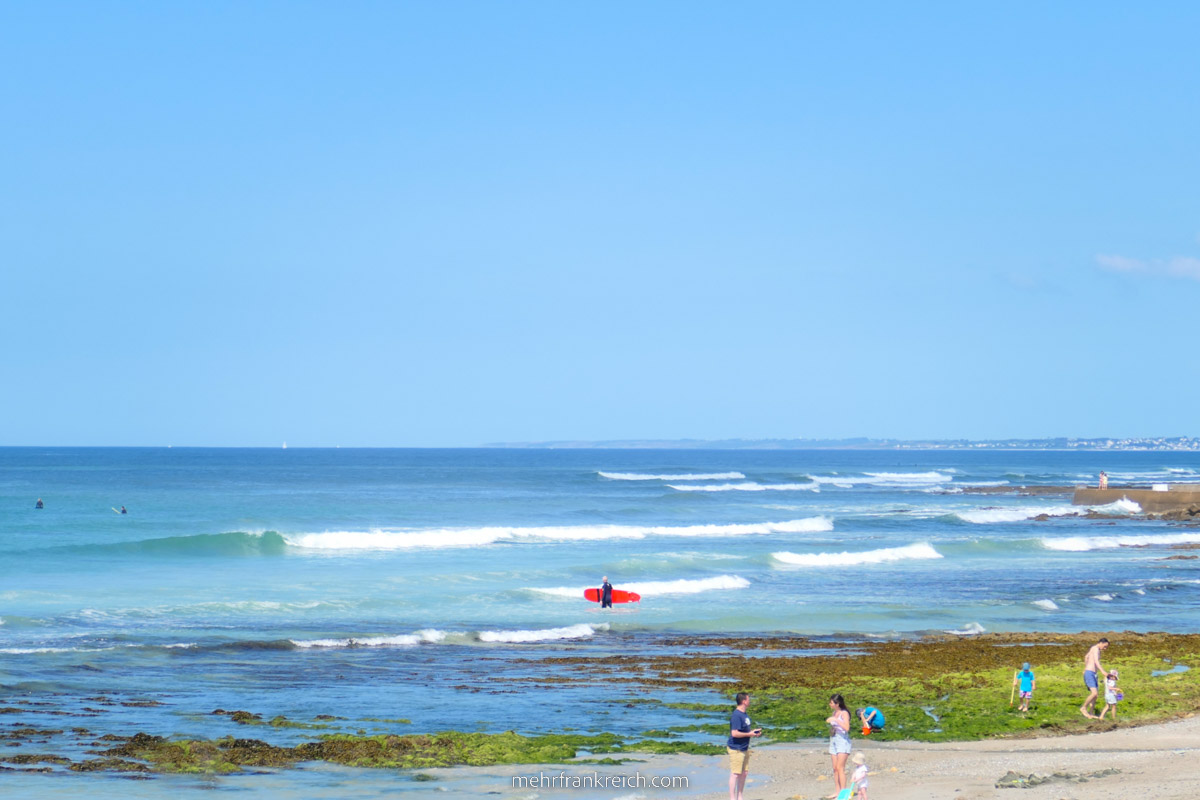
1155, 762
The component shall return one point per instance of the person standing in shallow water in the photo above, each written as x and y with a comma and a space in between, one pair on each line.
839, 739
605, 593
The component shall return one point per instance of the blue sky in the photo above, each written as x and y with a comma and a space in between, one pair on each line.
422, 224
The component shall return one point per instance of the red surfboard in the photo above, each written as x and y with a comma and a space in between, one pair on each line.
619, 596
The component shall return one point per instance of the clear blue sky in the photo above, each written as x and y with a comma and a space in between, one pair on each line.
392, 224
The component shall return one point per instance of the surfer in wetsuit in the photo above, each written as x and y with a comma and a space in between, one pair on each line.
123, 511
605, 593
39, 503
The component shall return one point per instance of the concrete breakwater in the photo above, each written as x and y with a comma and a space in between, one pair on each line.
1176, 498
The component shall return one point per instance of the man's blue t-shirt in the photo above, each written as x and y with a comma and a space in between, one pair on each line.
1026, 680
739, 721
876, 721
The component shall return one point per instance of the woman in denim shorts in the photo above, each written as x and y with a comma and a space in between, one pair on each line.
839, 739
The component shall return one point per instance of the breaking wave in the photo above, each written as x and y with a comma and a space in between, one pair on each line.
990, 516
580, 631
476, 537
912, 551
970, 629
657, 588
403, 640
749, 486
1080, 544
1046, 605
886, 479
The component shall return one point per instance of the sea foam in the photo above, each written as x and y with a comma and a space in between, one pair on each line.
847, 559
1046, 605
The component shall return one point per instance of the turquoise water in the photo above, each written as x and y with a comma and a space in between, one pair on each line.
428, 584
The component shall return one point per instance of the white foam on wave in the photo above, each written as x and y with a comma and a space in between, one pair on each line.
1079, 544
1047, 605
748, 486
428, 636
970, 629
848, 559
991, 516
699, 476
581, 631
478, 537
1104, 598
657, 588
1122, 506
886, 479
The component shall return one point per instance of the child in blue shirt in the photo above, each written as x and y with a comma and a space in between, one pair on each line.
1028, 683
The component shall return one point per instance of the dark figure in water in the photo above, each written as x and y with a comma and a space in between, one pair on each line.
605, 593
39, 504
123, 511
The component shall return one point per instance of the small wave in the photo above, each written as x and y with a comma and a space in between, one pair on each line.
1048, 605
885, 479
970, 629
429, 636
1104, 598
580, 631
991, 516
1081, 544
748, 486
658, 588
912, 551
476, 537
699, 476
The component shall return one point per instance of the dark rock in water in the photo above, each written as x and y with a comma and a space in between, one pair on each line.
245, 717
35, 758
108, 765
1179, 558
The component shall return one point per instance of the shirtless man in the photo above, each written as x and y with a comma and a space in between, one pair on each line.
1091, 666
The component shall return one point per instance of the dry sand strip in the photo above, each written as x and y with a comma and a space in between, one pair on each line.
1156, 762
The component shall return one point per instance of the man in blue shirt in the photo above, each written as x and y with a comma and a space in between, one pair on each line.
738, 746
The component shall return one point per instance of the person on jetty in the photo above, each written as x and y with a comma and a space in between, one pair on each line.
605, 593
738, 746
872, 719
1103, 480
839, 739
39, 504
1027, 683
861, 770
1091, 667
1112, 694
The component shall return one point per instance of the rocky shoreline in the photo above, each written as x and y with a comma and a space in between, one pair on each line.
942, 688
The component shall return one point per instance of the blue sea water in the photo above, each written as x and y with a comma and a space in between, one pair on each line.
429, 585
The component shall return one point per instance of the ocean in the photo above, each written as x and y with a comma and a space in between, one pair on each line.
413, 591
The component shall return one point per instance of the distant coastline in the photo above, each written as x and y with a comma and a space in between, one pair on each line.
1150, 444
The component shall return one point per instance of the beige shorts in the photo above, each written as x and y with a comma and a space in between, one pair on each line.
739, 760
